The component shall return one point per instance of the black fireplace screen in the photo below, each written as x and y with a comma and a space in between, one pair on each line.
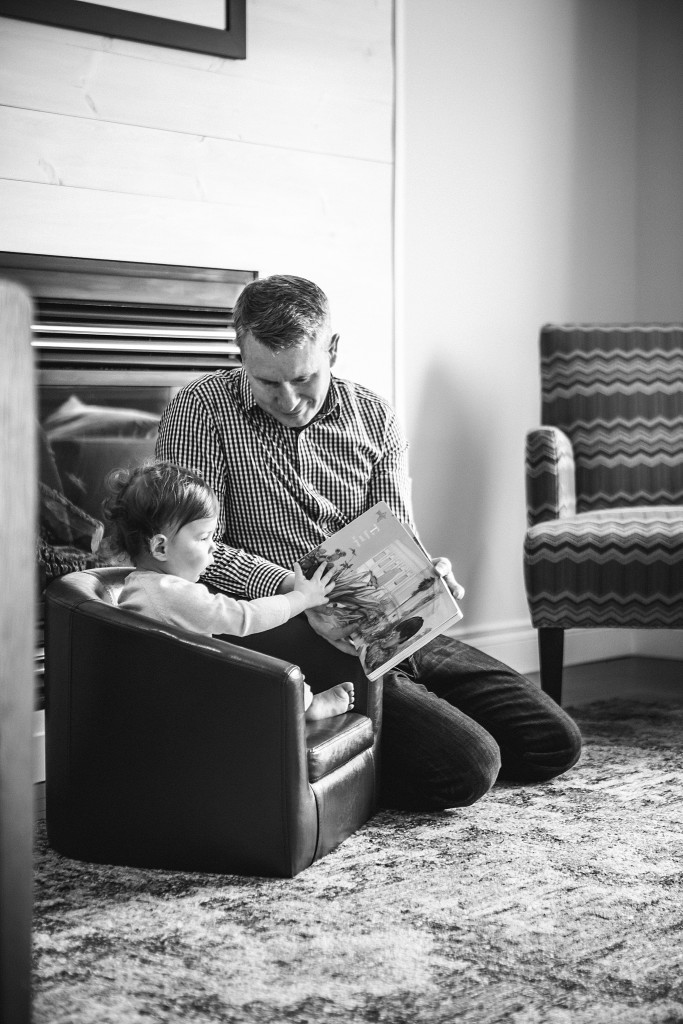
114, 341
86, 430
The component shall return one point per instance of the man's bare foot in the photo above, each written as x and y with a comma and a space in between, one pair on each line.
335, 701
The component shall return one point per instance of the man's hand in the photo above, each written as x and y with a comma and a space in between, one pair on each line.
321, 624
445, 570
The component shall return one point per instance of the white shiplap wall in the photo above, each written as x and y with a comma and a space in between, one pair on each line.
279, 163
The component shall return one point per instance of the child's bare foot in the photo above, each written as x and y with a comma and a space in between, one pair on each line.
335, 701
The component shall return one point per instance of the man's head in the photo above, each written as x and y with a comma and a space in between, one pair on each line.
281, 312
288, 349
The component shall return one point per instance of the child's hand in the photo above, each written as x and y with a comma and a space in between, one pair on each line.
315, 590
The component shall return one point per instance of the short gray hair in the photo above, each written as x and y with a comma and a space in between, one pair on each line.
281, 311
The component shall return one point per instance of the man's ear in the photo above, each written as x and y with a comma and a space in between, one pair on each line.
334, 341
157, 547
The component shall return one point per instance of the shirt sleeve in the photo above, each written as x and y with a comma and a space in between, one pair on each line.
390, 481
191, 606
188, 437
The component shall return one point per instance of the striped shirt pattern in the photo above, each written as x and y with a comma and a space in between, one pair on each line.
283, 491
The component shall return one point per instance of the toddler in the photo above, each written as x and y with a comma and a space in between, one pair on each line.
164, 518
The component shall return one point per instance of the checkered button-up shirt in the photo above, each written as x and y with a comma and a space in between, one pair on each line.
283, 491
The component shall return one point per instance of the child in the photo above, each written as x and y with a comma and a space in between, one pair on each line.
164, 518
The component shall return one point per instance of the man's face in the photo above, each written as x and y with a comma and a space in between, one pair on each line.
290, 384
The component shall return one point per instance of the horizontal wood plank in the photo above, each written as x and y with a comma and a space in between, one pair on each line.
350, 259
72, 151
281, 163
350, 43
304, 87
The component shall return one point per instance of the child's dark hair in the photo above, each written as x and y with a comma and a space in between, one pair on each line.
154, 497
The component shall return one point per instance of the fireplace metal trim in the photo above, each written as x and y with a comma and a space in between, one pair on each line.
91, 312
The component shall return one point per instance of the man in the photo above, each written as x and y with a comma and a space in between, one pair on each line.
294, 454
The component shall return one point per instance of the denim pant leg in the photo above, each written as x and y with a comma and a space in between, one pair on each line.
432, 755
537, 739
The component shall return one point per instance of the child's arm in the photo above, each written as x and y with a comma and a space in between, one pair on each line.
191, 606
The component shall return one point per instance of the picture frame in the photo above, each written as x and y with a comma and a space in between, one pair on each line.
145, 28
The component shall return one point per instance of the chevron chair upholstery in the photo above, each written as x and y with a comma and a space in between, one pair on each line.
604, 480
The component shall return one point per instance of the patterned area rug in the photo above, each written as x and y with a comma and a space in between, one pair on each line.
560, 903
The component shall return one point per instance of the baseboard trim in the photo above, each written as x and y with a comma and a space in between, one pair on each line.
658, 643
517, 644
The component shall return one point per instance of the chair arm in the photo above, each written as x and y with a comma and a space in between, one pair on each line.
550, 475
368, 696
322, 664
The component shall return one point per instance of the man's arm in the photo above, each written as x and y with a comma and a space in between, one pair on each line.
391, 483
188, 437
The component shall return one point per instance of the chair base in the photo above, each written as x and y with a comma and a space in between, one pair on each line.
551, 656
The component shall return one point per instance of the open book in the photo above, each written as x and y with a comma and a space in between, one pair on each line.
387, 600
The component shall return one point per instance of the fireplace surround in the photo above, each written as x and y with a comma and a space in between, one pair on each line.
113, 342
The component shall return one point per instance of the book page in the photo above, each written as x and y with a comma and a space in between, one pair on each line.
388, 599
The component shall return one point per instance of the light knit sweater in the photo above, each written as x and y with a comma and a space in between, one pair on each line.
177, 602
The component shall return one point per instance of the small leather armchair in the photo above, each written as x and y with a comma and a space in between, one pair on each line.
171, 750
604, 477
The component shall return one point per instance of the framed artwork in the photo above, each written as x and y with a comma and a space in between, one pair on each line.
222, 34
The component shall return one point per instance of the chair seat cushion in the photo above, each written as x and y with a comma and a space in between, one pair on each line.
331, 742
613, 567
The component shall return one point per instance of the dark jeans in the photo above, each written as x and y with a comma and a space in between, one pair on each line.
454, 719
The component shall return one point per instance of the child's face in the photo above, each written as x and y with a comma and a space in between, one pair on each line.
190, 551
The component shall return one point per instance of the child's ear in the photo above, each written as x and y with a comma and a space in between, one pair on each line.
157, 547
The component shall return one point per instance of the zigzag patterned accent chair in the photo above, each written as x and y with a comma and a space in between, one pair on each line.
604, 478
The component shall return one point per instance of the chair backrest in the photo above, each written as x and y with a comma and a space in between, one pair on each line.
617, 392
103, 584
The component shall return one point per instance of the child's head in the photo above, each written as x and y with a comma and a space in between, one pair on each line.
150, 509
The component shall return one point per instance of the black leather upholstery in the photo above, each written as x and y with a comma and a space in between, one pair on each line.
330, 743
168, 749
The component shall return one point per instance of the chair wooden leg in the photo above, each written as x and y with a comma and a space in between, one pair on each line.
551, 652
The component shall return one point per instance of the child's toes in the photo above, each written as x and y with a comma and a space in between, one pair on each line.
346, 693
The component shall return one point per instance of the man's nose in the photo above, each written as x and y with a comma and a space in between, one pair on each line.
286, 396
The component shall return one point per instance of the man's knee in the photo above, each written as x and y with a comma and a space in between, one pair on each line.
554, 753
456, 778
471, 781
433, 756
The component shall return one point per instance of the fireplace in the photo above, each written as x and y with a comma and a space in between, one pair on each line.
114, 341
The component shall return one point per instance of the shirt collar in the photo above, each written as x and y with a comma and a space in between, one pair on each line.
245, 393
331, 406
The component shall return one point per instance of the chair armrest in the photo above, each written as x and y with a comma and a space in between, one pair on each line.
550, 475
322, 664
368, 698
